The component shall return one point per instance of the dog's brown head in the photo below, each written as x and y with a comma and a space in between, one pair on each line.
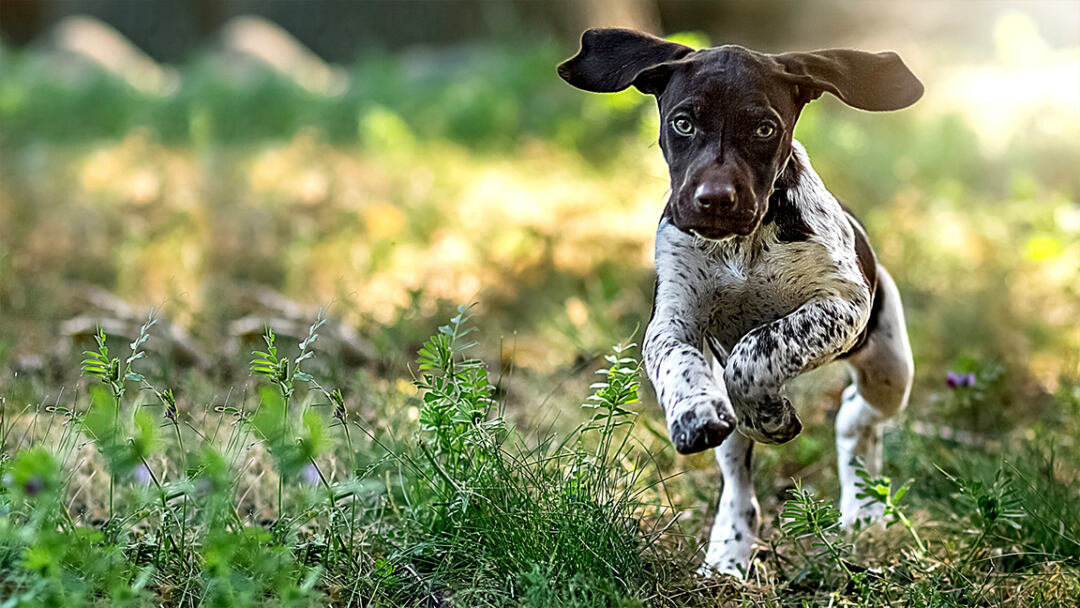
727, 113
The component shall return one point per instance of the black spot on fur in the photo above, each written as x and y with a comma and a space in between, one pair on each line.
790, 225
766, 343
715, 350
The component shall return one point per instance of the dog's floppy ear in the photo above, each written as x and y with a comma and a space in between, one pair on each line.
868, 81
612, 59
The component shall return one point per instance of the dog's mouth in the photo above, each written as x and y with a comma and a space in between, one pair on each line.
724, 228
709, 235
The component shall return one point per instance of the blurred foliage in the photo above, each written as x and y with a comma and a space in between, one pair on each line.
476, 173
485, 97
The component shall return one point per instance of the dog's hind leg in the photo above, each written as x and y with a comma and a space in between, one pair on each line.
882, 370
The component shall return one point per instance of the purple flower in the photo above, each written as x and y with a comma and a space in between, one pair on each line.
34, 486
141, 474
955, 380
310, 474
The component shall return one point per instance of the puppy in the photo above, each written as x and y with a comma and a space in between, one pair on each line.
761, 273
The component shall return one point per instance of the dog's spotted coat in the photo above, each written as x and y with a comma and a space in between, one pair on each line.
761, 274
769, 308
734, 320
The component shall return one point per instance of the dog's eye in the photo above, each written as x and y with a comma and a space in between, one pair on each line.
682, 126
765, 130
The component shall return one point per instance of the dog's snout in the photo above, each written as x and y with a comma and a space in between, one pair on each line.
718, 200
715, 194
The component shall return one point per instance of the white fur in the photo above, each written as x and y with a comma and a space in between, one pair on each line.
771, 310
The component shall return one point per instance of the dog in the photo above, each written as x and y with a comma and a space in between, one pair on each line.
761, 273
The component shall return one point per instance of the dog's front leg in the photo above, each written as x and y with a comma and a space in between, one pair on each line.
767, 357
698, 412
699, 415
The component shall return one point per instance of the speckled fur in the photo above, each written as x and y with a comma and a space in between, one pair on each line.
769, 309
735, 320
786, 281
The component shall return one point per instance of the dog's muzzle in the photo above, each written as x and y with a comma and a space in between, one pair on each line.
717, 210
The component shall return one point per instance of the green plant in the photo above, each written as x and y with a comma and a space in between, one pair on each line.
272, 420
807, 517
488, 512
879, 490
115, 375
990, 505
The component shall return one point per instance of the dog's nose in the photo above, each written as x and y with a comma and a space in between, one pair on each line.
712, 194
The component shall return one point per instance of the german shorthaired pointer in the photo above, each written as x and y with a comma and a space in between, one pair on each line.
761, 274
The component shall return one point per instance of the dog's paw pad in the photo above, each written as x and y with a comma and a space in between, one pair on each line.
700, 428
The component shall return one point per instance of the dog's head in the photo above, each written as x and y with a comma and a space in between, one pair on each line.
727, 113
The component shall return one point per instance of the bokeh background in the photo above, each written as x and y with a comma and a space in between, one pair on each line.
242, 163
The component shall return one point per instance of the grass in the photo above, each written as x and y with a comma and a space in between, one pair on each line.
458, 507
462, 510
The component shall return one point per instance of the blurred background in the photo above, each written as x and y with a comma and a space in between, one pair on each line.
237, 163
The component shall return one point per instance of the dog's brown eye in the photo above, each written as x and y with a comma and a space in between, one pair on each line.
765, 130
682, 126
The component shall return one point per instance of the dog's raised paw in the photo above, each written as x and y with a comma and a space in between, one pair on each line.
701, 426
773, 421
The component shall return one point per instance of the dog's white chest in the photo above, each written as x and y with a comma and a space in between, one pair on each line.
751, 290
